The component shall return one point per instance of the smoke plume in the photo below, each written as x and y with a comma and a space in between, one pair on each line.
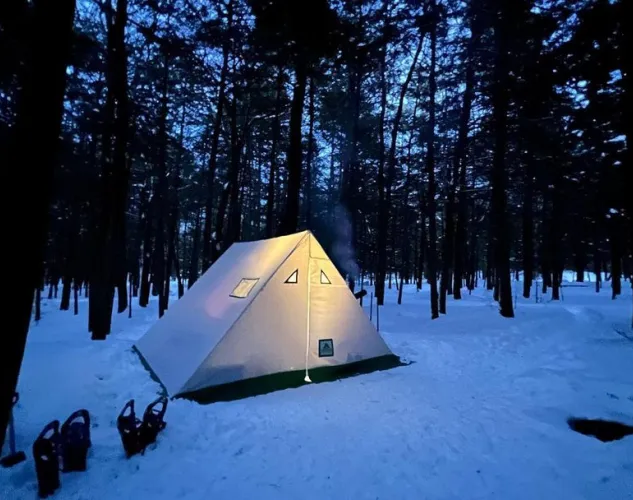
342, 244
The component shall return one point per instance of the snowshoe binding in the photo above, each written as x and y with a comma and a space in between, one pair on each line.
45, 453
129, 428
137, 434
75, 441
153, 421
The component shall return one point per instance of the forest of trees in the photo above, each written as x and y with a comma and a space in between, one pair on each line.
435, 142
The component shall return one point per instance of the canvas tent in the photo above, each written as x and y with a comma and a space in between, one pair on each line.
269, 312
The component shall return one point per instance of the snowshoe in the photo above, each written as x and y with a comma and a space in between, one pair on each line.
75, 441
153, 421
129, 428
45, 453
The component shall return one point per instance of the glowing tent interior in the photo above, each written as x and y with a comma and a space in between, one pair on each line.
267, 315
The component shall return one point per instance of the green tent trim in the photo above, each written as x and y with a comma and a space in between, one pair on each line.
279, 381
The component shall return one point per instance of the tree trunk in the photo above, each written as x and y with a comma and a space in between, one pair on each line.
137, 252
555, 235
416, 256
473, 262
400, 290
39, 109
490, 271
51, 284
38, 304
207, 244
129, 306
229, 191
119, 158
270, 199
460, 165
422, 251
235, 173
627, 122
76, 297
143, 298
309, 181
174, 217
528, 229
500, 116
616, 258
430, 169
108, 267
448, 238
597, 269
195, 252
381, 268
290, 218
580, 256
64, 304
160, 278
181, 285
404, 207
447, 252
174, 220
70, 265
384, 215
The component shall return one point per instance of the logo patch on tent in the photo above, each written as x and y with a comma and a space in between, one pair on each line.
294, 277
326, 348
324, 279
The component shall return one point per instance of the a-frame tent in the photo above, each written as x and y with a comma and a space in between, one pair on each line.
267, 314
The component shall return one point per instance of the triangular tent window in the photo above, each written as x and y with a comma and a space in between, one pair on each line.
294, 277
324, 279
244, 287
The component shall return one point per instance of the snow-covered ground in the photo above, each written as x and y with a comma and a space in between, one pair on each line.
479, 414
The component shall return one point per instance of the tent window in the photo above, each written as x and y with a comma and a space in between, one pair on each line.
294, 277
244, 287
324, 279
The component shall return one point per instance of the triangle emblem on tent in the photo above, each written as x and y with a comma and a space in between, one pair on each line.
326, 348
294, 277
324, 279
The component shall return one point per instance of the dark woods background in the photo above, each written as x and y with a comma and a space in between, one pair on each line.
434, 142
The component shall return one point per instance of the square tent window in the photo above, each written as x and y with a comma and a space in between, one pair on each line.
244, 287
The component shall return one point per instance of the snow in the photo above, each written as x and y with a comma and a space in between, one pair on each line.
479, 414
616, 75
